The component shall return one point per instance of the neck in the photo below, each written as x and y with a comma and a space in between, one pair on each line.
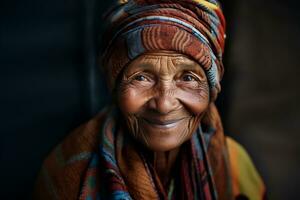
163, 163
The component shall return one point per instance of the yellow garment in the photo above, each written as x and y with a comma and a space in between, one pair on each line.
245, 178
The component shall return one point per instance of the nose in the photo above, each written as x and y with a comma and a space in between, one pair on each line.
164, 101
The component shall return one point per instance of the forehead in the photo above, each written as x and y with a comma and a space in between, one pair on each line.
176, 58
164, 61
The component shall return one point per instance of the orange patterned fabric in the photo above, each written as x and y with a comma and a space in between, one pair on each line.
62, 172
75, 169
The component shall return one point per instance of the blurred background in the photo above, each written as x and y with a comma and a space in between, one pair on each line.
50, 84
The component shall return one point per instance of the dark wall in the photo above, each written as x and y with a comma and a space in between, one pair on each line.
263, 72
50, 84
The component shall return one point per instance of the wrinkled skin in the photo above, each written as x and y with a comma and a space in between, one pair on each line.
163, 96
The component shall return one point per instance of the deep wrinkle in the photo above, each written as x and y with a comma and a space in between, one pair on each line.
162, 96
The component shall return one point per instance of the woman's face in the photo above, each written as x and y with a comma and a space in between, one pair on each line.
162, 97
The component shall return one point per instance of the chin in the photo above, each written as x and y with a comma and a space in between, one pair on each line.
163, 142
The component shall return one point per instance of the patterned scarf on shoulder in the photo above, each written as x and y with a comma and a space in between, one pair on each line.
120, 171
98, 160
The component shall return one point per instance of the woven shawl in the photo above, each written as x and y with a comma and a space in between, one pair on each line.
100, 161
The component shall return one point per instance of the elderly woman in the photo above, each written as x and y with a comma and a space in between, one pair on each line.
162, 137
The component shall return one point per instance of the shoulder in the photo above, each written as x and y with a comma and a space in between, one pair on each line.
61, 172
246, 181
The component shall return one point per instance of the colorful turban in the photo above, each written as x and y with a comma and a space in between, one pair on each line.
195, 28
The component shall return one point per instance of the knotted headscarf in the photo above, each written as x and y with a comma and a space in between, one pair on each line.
195, 28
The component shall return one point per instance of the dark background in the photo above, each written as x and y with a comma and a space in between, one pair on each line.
50, 84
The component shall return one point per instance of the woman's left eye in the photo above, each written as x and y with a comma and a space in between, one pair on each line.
140, 78
188, 77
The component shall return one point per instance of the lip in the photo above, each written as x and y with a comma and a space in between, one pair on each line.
165, 124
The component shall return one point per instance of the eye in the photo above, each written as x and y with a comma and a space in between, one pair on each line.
188, 77
140, 78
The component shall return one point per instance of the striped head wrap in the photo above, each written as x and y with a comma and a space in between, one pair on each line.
195, 28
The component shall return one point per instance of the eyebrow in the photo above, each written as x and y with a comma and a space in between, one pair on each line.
191, 67
187, 65
146, 65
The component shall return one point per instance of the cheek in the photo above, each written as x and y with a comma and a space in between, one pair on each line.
131, 100
195, 101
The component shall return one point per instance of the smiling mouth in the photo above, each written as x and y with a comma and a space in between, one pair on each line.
162, 124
